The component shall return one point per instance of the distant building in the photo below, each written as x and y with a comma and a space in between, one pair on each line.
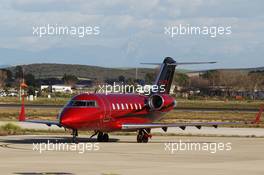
58, 88
44, 87
195, 73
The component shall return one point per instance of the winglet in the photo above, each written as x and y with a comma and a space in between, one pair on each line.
22, 115
258, 115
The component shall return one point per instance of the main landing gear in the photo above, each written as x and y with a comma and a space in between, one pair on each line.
143, 136
101, 137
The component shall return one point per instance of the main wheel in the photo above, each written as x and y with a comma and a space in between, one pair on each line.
145, 139
100, 137
139, 138
105, 137
142, 136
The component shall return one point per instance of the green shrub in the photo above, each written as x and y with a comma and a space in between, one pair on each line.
11, 128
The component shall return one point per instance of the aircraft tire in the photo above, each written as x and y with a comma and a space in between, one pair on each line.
145, 139
100, 137
105, 137
139, 138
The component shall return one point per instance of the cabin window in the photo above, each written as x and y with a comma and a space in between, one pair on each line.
126, 106
113, 106
140, 107
122, 106
91, 103
118, 107
82, 103
131, 106
136, 106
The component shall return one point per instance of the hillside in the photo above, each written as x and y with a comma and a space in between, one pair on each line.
245, 70
52, 70
48, 70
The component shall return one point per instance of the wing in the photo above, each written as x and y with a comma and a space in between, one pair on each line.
164, 126
22, 117
47, 122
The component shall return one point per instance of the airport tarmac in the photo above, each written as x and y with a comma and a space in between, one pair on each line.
18, 155
221, 131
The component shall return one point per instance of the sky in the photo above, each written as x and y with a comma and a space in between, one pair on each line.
132, 31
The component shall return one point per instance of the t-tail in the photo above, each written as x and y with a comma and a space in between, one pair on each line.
167, 69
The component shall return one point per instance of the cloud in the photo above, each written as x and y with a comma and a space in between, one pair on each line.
132, 30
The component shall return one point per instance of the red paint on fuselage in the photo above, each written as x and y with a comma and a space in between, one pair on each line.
112, 111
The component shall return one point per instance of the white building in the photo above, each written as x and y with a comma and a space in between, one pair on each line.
58, 88
43, 87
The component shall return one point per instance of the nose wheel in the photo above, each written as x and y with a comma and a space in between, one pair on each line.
143, 136
74, 136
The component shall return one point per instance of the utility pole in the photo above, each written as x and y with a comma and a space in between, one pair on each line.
136, 73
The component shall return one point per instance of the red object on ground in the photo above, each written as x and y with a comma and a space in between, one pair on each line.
22, 115
257, 120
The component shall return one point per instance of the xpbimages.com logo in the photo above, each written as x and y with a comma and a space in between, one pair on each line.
80, 148
62, 30
211, 31
124, 88
183, 146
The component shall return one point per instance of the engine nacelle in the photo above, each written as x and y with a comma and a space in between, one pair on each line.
155, 102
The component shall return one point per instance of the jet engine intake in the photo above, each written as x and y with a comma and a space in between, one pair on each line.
155, 102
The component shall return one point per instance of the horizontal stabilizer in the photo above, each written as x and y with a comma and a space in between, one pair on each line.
181, 63
189, 63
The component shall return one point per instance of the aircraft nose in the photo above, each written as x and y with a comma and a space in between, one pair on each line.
65, 118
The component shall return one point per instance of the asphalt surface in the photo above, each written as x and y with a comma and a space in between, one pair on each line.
22, 155
220, 131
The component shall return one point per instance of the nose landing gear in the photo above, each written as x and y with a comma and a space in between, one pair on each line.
74, 136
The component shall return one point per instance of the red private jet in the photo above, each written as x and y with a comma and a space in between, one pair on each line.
104, 113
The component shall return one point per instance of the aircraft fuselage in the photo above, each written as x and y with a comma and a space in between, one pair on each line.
108, 112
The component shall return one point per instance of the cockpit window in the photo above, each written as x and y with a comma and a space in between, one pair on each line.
82, 103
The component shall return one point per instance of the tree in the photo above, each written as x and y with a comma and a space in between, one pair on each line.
213, 76
257, 79
131, 81
199, 83
3, 77
121, 78
19, 72
30, 80
69, 79
181, 79
149, 78
9, 74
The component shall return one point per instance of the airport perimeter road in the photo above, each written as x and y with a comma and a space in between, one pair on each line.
193, 109
124, 156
